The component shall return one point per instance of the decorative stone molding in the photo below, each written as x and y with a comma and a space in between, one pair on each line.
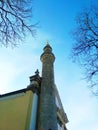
35, 82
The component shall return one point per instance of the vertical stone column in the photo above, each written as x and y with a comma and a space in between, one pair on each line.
35, 82
47, 119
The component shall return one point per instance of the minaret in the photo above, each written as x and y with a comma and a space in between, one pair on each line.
47, 119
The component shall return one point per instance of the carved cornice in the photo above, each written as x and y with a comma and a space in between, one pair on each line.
62, 116
49, 56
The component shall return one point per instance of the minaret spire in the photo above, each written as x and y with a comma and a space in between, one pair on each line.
47, 42
47, 107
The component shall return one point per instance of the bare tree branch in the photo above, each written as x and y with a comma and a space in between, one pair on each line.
15, 21
85, 48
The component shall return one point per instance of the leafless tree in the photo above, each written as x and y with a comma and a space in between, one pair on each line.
15, 21
85, 48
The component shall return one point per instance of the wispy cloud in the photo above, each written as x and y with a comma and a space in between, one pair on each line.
81, 109
19, 63
15, 64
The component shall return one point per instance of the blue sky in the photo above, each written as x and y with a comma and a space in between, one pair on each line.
56, 20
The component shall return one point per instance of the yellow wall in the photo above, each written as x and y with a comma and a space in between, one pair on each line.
15, 112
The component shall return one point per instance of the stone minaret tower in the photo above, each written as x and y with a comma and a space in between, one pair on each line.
47, 119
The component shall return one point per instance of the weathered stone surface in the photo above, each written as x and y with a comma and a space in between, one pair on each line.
47, 119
